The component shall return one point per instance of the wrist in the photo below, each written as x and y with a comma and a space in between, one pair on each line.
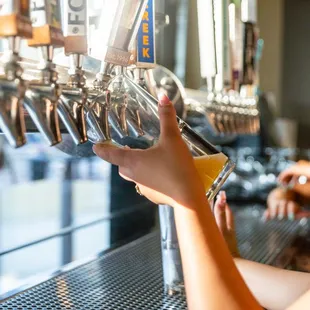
193, 201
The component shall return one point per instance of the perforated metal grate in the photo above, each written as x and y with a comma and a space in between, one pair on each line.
131, 277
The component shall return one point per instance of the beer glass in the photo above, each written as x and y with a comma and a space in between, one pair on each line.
134, 120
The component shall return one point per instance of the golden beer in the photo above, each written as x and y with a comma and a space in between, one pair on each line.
209, 168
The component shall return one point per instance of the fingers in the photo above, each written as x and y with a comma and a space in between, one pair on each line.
273, 209
292, 210
167, 115
282, 210
220, 214
230, 222
285, 176
115, 155
266, 215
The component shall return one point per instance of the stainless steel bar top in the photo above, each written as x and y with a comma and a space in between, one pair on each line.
130, 277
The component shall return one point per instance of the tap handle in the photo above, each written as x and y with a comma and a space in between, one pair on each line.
249, 17
118, 27
145, 53
15, 18
206, 23
46, 23
75, 27
236, 34
249, 11
224, 71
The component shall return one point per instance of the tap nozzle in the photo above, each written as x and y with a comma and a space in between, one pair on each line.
15, 25
42, 96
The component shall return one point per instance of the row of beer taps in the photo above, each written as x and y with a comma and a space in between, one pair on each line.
87, 113
74, 114
230, 51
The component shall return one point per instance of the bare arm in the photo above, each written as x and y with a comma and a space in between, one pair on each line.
211, 277
166, 174
274, 288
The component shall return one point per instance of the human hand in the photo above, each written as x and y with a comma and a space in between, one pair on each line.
281, 204
165, 173
302, 168
225, 222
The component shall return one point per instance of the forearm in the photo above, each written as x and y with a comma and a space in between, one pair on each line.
211, 277
274, 288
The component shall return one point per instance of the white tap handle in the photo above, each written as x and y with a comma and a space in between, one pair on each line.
206, 28
75, 27
223, 50
249, 11
118, 27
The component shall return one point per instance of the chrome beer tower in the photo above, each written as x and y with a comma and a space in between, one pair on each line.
229, 50
84, 112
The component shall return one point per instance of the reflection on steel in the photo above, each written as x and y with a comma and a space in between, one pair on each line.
109, 280
73, 108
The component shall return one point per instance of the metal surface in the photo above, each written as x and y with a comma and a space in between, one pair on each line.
130, 277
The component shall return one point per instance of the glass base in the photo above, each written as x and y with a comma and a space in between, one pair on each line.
220, 180
173, 290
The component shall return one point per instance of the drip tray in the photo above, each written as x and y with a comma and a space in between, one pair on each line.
130, 277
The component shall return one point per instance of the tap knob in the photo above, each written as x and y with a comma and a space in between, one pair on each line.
14, 19
117, 30
207, 48
15, 24
76, 39
249, 18
42, 96
76, 27
46, 23
145, 52
224, 71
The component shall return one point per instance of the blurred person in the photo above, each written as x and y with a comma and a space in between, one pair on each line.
286, 201
166, 174
274, 288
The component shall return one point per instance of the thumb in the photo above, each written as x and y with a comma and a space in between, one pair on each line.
220, 214
113, 154
167, 116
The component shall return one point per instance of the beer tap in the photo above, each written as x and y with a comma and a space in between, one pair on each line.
111, 42
72, 102
207, 46
249, 83
15, 25
144, 54
42, 96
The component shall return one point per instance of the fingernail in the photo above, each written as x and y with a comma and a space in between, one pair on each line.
291, 216
126, 147
280, 217
265, 217
222, 205
163, 100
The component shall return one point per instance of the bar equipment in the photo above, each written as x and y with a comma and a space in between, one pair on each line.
15, 25
223, 44
42, 96
74, 103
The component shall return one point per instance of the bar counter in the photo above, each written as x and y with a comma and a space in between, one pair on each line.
130, 277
